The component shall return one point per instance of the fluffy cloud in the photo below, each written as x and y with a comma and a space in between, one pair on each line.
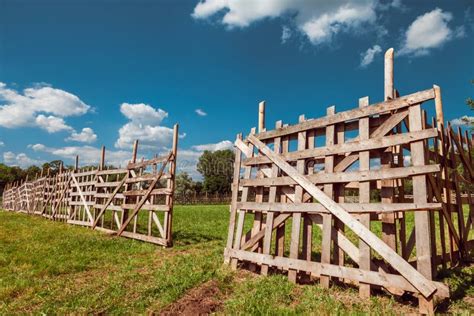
200, 112
319, 20
144, 126
429, 31
143, 113
30, 107
52, 124
368, 56
21, 160
2, 144
87, 135
225, 144
463, 121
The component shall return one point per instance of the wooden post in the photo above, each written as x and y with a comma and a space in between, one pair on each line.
261, 116
364, 197
102, 158
388, 220
329, 190
296, 224
171, 186
76, 165
422, 219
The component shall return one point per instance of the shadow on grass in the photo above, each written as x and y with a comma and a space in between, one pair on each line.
186, 238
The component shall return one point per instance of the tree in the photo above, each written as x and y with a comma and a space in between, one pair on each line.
52, 166
217, 170
184, 184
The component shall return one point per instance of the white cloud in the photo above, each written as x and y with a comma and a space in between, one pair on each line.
225, 144
144, 126
143, 113
427, 32
200, 112
30, 107
21, 160
2, 144
319, 20
52, 124
87, 135
368, 57
463, 121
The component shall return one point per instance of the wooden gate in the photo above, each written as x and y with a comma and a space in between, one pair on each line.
346, 178
138, 201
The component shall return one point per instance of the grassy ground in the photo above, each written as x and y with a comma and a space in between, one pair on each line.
49, 267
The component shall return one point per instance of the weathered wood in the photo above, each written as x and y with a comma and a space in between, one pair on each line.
355, 146
377, 108
424, 285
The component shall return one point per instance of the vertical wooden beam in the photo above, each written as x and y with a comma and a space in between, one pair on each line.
76, 164
340, 198
422, 220
102, 158
364, 197
296, 224
388, 220
171, 185
267, 241
329, 190
280, 230
235, 196
388, 75
261, 116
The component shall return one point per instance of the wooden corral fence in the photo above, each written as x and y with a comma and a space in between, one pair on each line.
293, 179
134, 202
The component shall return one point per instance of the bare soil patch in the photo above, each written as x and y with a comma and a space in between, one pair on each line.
202, 300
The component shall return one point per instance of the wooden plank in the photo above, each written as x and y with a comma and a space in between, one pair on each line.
364, 197
235, 196
142, 164
269, 222
422, 232
346, 177
356, 146
296, 218
317, 269
329, 190
377, 108
353, 208
425, 286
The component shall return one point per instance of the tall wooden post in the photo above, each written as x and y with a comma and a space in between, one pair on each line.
422, 227
261, 116
388, 220
76, 164
102, 158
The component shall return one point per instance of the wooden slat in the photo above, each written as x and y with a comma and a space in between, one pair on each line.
377, 108
356, 146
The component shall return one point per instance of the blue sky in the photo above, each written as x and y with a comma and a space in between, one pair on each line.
76, 75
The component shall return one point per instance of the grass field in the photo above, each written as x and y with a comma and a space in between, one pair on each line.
50, 267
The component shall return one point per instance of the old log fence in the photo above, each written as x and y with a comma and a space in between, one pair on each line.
288, 185
134, 202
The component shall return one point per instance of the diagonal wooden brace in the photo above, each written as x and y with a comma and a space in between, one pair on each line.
422, 284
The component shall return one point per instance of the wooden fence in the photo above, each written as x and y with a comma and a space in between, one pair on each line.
134, 202
293, 179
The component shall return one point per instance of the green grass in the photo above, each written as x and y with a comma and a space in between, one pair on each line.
55, 268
